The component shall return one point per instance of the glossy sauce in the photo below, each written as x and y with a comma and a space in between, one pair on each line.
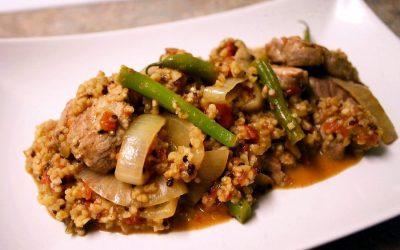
195, 218
317, 169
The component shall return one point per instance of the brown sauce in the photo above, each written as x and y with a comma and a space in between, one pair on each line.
192, 218
318, 169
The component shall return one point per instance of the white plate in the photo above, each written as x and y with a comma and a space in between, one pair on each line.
38, 76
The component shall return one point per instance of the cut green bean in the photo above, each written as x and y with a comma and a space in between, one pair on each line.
306, 33
278, 103
190, 65
241, 210
168, 99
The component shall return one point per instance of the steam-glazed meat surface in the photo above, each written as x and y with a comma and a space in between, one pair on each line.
291, 79
94, 134
324, 88
294, 51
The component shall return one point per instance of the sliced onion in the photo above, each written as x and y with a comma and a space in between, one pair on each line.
256, 102
179, 132
161, 211
108, 187
135, 147
164, 193
367, 100
223, 94
242, 56
214, 164
212, 167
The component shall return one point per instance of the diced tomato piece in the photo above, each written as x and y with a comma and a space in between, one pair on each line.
133, 220
334, 126
109, 121
225, 117
252, 133
231, 48
45, 178
88, 192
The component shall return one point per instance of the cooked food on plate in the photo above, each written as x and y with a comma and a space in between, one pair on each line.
186, 142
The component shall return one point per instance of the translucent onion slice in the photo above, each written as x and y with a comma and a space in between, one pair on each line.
164, 193
161, 211
223, 94
108, 187
256, 102
212, 167
179, 132
135, 146
367, 100
243, 56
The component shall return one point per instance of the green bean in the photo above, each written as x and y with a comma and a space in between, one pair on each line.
190, 65
278, 103
306, 34
241, 210
168, 99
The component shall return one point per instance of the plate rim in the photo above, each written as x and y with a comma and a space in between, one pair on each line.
249, 7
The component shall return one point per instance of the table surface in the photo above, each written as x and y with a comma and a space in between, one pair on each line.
127, 14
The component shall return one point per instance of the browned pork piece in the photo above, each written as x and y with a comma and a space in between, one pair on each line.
324, 88
294, 51
94, 126
292, 79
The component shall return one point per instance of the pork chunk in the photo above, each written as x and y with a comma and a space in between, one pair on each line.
294, 51
95, 133
323, 88
291, 79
